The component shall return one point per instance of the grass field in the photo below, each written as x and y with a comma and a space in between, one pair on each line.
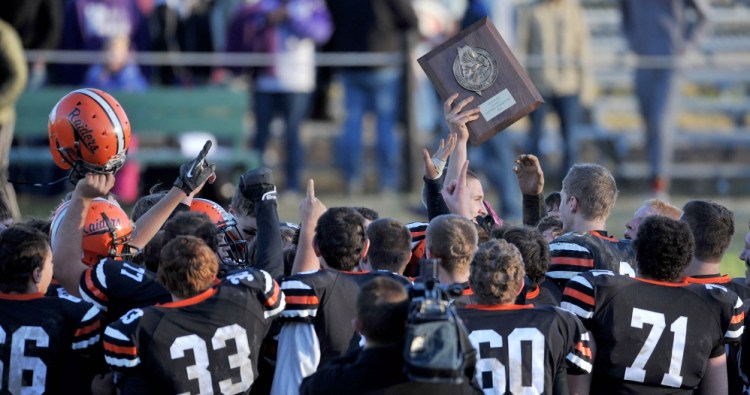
402, 208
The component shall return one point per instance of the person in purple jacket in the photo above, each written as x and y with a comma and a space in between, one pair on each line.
91, 24
288, 29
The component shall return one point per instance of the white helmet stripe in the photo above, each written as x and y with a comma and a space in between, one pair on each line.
113, 118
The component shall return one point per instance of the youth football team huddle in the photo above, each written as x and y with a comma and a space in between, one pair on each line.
186, 297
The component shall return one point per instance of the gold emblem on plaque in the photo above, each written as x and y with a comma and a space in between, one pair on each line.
474, 69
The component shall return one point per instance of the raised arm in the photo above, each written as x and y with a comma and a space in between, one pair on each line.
457, 119
193, 176
67, 247
457, 195
531, 182
310, 209
433, 170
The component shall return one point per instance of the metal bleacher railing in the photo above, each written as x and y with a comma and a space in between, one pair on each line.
717, 74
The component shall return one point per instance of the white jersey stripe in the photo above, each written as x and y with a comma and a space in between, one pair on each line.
299, 313
100, 275
562, 246
85, 343
735, 334
113, 118
115, 334
576, 310
294, 284
582, 281
93, 311
562, 274
123, 363
586, 366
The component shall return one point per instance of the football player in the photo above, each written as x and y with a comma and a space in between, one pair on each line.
535, 254
650, 207
712, 226
86, 230
656, 333
521, 347
452, 239
47, 344
587, 197
321, 293
389, 251
207, 339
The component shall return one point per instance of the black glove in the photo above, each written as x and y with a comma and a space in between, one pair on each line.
196, 172
258, 184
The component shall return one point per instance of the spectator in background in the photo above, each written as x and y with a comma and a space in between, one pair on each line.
90, 24
119, 72
177, 26
553, 34
375, 26
13, 76
288, 30
661, 29
40, 24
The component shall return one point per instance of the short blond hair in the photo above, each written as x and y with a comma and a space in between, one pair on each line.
188, 266
663, 208
452, 239
594, 187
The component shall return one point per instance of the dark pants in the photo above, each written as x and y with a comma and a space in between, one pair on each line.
656, 90
568, 111
292, 107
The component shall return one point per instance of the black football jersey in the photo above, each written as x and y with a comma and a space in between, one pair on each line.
362, 277
541, 296
328, 300
736, 378
205, 344
574, 253
522, 347
115, 287
44, 342
652, 337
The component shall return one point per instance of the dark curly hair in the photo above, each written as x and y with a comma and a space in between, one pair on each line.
496, 273
533, 248
663, 248
340, 237
713, 227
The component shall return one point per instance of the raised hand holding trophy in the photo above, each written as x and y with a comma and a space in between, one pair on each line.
477, 61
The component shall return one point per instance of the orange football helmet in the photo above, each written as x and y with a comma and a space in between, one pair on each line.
106, 232
233, 250
88, 131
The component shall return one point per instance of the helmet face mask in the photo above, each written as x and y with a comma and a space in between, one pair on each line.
106, 232
88, 132
233, 249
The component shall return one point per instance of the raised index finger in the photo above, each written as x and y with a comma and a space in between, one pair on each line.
462, 174
311, 189
204, 151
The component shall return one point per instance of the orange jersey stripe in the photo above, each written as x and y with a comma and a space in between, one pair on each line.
120, 350
573, 261
737, 318
579, 295
93, 288
87, 329
583, 350
302, 300
275, 297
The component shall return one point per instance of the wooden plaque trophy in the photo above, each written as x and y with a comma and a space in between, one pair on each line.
477, 62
